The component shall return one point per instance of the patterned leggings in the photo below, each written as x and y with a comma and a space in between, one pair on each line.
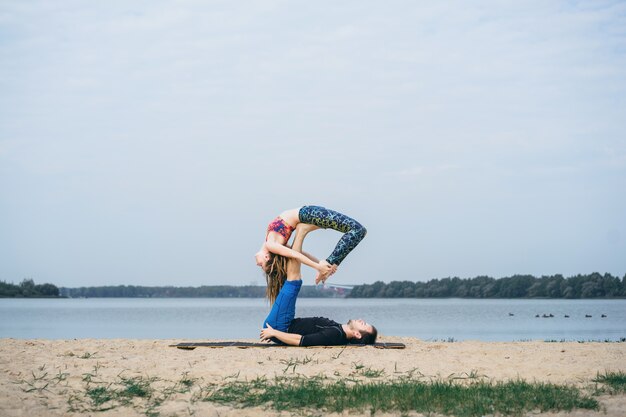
329, 219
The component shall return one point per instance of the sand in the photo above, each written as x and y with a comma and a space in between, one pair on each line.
50, 377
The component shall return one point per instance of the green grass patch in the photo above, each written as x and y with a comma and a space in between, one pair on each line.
100, 395
122, 392
135, 387
448, 397
364, 389
140, 393
613, 382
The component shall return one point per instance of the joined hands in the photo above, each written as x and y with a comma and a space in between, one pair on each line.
324, 271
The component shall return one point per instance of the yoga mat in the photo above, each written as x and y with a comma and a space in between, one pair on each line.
246, 345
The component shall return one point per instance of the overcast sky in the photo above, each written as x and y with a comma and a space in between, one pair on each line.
151, 142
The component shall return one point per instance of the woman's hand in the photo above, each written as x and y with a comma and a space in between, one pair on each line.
324, 271
267, 333
325, 267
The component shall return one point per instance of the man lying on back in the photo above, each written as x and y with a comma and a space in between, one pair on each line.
281, 327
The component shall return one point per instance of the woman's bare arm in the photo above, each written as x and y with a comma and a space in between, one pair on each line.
279, 249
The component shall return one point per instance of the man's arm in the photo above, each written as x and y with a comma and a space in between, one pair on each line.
330, 336
292, 339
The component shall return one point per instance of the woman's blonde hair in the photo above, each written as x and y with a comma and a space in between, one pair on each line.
275, 276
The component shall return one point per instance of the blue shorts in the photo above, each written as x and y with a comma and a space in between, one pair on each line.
284, 308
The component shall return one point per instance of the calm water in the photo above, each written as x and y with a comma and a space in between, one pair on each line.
228, 318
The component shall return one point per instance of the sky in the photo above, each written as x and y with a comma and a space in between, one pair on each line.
151, 142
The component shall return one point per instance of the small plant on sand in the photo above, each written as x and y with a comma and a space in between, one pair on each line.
99, 396
89, 376
232, 376
38, 383
60, 377
338, 354
369, 372
473, 374
358, 366
135, 387
293, 362
185, 382
612, 382
372, 373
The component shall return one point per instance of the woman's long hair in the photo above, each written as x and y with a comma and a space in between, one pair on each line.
275, 276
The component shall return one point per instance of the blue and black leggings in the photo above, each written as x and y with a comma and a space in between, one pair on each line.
329, 219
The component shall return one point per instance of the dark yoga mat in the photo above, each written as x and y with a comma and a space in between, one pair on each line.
245, 345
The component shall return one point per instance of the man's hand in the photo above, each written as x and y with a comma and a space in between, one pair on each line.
267, 333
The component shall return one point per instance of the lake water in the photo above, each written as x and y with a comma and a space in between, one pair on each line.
238, 318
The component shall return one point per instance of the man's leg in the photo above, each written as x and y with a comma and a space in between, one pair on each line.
284, 308
293, 265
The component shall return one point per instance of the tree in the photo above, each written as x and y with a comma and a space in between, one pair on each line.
553, 287
47, 290
27, 287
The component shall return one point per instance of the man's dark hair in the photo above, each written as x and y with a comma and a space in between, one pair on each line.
367, 338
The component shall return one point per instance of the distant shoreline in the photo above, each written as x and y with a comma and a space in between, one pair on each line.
65, 297
591, 286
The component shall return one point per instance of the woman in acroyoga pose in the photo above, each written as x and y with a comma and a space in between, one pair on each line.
272, 257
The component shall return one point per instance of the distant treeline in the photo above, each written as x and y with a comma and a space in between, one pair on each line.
214, 291
27, 288
517, 286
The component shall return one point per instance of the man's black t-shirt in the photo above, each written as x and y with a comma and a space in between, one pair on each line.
318, 331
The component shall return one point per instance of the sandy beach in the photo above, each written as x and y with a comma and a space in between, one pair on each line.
50, 377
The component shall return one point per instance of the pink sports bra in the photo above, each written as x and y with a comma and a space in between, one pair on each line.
279, 225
